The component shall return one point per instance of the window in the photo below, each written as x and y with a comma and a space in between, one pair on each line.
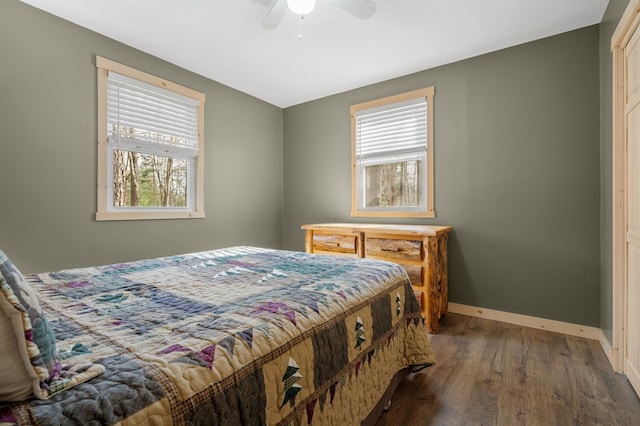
392, 156
150, 146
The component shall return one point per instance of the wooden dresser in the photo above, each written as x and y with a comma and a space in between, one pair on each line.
421, 249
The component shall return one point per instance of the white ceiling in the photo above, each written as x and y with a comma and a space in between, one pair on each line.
224, 39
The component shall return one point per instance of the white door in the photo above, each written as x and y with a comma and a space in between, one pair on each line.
632, 124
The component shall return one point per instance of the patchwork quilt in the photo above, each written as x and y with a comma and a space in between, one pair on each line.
238, 336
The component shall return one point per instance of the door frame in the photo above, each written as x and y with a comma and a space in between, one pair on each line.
628, 24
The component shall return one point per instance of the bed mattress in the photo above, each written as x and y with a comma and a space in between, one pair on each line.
242, 335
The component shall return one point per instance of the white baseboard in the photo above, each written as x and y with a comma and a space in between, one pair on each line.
612, 353
534, 322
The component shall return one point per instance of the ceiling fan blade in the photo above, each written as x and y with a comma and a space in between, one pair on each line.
272, 19
361, 8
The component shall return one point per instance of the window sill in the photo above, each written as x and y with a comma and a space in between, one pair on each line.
359, 213
106, 216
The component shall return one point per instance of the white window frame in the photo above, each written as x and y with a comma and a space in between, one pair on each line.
195, 188
358, 208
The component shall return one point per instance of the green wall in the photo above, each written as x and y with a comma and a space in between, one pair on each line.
610, 20
48, 154
517, 157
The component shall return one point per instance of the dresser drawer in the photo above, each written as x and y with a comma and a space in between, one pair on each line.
415, 274
393, 248
337, 243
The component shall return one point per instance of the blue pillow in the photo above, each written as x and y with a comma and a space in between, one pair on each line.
30, 365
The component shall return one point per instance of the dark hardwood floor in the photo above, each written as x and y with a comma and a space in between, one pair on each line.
493, 373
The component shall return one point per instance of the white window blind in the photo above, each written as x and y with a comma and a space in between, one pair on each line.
149, 119
391, 130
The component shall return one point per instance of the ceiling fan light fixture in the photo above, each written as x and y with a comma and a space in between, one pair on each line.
301, 7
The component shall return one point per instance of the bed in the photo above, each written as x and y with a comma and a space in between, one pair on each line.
242, 336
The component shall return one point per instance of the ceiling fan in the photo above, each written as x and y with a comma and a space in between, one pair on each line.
360, 8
